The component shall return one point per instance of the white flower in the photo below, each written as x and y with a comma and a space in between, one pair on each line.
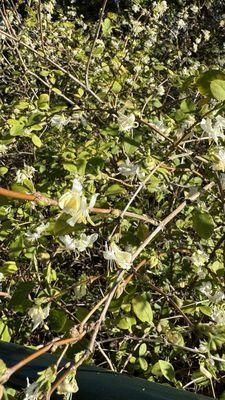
135, 8
214, 131
68, 386
26, 173
68, 242
199, 258
220, 160
161, 90
194, 9
206, 34
217, 297
38, 315
129, 169
218, 315
206, 288
80, 244
145, 59
126, 122
60, 121
37, 233
181, 23
32, 392
159, 8
3, 149
74, 203
85, 241
137, 27
122, 258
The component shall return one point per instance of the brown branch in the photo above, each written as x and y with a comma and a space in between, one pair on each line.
43, 350
37, 197
5, 294
40, 198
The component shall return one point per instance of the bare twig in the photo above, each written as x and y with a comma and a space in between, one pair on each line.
168, 219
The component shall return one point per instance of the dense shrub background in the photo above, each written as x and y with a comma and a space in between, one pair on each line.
153, 62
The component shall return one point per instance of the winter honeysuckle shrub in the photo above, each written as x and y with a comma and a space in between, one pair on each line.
75, 204
133, 109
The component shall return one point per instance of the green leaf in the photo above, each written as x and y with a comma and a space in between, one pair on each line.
175, 338
17, 187
116, 87
56, 90
8, 268
28, 184
17, 127
57, 320
167, 370
143, 363
142, 309
19, 301
126, 323
3, 368
43, 102
203, 224
16, 247
3, 170
36, 140
163, 368
130, 145
22, 105
142, 349
205, 79
69, 167
4, 331
187, 106
218, 89
106, 27
115, 189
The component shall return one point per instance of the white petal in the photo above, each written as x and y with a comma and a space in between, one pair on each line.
93, 200
77, 186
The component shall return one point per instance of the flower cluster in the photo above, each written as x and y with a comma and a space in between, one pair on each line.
80, 244
214, 131
75, 204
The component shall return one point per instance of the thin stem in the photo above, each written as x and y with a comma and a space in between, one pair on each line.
94, 42
168, 219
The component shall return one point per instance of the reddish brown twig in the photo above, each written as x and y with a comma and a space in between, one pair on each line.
43, 350
40, 198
